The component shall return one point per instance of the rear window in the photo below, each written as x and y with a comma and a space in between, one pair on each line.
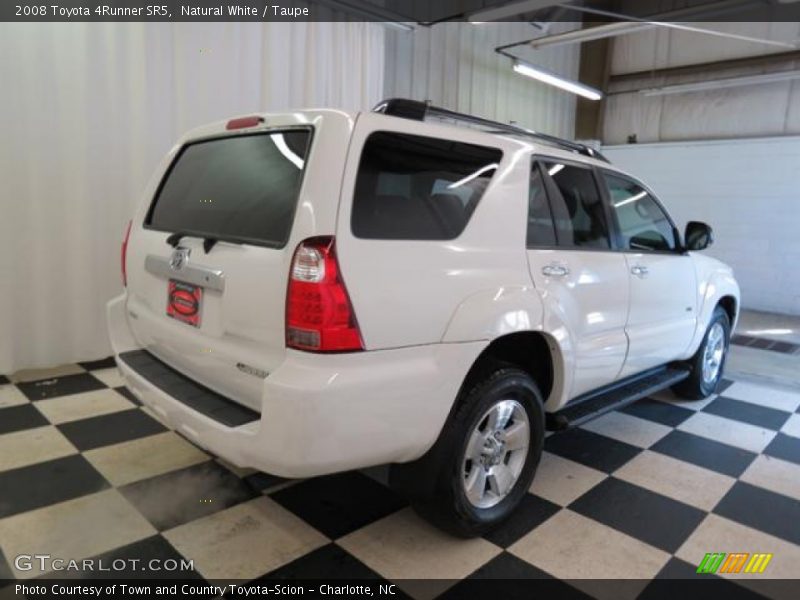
411, 187
241, 188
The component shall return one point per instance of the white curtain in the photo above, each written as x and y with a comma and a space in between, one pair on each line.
86, 112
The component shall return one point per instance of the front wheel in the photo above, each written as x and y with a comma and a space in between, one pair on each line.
484, 460
708, 363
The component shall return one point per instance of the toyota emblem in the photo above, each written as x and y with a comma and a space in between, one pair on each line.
179, 258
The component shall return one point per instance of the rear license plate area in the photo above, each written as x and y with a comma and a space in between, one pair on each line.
184, 302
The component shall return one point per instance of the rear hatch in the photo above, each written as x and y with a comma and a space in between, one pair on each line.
210, 249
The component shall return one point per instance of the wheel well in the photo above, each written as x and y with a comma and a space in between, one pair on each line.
728, 304
528, 350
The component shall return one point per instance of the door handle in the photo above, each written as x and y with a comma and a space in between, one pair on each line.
639, 271
555, 271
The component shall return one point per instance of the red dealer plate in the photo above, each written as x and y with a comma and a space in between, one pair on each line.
184, 301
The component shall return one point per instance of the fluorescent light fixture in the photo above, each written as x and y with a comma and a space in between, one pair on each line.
284, 149
718, 84
556, 169
472, 176
509, 10
549, 78
630, 200
599, 32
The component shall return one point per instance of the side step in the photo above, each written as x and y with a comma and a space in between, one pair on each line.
599, 402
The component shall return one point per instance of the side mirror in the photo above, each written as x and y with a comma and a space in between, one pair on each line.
699, 236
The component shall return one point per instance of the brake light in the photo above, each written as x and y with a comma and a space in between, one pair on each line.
319, 314
243, 122
124, 254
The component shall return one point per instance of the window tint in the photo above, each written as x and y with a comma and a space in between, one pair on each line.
241, 188
418, 188
577, 207
540, 220
642, 223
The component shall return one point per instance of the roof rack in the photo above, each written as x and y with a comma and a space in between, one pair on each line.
419, 111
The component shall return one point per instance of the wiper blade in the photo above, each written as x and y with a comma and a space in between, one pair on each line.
175, 238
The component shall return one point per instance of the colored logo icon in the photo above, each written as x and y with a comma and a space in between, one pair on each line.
735, 562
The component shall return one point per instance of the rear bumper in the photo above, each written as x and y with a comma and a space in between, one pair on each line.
322, 413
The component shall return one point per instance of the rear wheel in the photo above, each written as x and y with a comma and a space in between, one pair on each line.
708, 363
485, 458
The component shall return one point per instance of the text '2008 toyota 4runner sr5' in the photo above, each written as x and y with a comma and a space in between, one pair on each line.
318, 291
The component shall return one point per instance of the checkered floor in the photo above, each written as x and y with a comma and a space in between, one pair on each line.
638, 494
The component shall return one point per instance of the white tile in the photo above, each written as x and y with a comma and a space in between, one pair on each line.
562, 481
245, 541
728, 431
771, 397
11, 396
792, 426
676, 479
81, 406
37, 374
571, 546
74, 529
404, 548
111, 377
718, 534
629, 429
774, 474
145, 457
31, 446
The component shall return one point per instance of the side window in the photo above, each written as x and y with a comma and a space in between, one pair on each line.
411, 187
541, 231
577, 207
642, 223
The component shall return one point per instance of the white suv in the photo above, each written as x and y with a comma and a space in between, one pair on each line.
317, 291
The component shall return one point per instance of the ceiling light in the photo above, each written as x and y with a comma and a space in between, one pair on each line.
718, 84
549, 78
509, 10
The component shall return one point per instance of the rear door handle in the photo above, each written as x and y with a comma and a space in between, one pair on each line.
639, 271
555, 271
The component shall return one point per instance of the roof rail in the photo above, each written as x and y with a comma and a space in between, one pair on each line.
419, 111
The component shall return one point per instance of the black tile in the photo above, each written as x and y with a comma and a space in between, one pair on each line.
5, 569
329, 562
17, 418
784, 347
761, 343
660, 412
723, 385
660, 521
181, 496
103, 363
47, 483
128, 394
110, 429
742, 340
747, 412
60, 386
703, 452
763, 510
4, 380
341, 503
784, 447
510, 578
591, 449
531, 512
691, 585
263, 482
137, 557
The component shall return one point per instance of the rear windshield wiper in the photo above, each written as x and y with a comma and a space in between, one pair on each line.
175, 238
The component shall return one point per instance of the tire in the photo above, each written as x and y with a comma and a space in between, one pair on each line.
437, 484
700, 383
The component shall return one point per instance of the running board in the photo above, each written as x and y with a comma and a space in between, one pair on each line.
599, 402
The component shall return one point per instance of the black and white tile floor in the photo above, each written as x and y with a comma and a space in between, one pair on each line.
639, 494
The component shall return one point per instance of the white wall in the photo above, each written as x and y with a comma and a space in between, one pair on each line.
755, 110
454, 65
749, 192
86, 112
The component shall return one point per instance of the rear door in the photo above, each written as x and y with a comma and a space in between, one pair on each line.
209, 255
584, 282
663, 311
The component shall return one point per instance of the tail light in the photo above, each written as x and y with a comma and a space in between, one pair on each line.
319, 314
124, 254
